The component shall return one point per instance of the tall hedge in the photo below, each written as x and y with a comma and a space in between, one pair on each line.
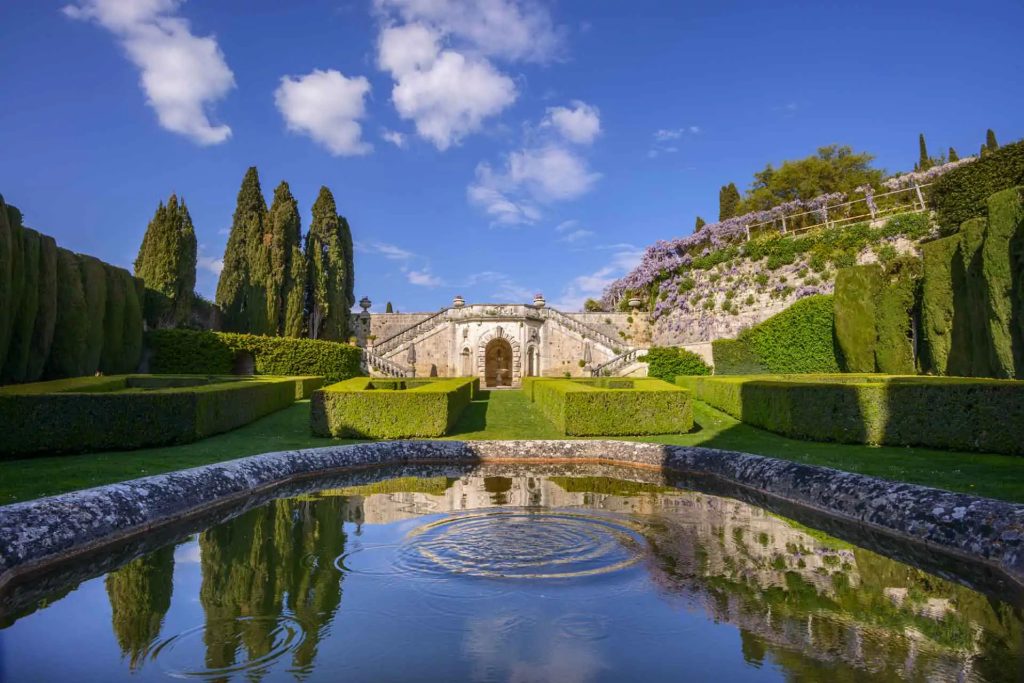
46, 313
1000, 254
963, 193
67, 352
7, 239
94, 285
113, 322
944, 333
895, 351
26, 302
800, 339
972, 237
666, 362
856, 295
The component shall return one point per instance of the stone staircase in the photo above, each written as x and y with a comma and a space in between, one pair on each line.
628, 363
376, 365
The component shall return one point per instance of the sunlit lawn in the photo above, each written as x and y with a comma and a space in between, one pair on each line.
509, 415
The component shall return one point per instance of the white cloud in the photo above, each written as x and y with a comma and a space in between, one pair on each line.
423, 278
326, 106
665, 140
210, 264
580, 124
592, 285
503, 210
394, 137
388, 251
182, 74
576, 236
566, 225
515, 30
446, 94
502, 286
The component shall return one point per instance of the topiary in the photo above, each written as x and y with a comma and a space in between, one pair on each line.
668, 362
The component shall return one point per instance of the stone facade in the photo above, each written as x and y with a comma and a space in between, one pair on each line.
500, 343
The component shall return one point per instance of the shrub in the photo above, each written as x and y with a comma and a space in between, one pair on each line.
665, 362
972, 237
113, 322
894, 315
66, 357
1000, 254
183, 351
963, 193
94, 286
939, 306
46, 312
856, 293
368, 408
800, 339
103, 413
935, 412
613, 406
25, 278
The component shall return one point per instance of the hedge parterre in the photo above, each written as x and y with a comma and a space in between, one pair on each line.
954, 413
611, 406
365, 407
135, 411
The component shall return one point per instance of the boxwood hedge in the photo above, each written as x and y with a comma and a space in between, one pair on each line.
963, 193
183, 351
665, 362
612, 406
365, 407
132, 411
938, 412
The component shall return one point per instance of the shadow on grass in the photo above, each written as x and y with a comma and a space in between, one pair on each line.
474, 417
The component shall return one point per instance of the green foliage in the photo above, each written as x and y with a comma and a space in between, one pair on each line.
797, 340
1001, 252
895, 312
665, 362
728, 201
365, 407
856, 297
390, 309
972, 237
7, 256
963, 193
94, 286
71, 329
990, 141
25, 279
167, 264
612, 406
590, 306
327, 255
924, 161
834, 168
46, 313
936, 412
952, 155
140, 595
698, 224
131, 411
286, 285
190, 351
939, 324
241, 290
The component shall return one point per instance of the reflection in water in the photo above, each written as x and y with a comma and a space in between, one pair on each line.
507, 574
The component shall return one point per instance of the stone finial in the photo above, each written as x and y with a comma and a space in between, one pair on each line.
458, 301
365, 304
538, 300
634, 303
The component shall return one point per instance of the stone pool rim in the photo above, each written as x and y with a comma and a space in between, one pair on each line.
39, 534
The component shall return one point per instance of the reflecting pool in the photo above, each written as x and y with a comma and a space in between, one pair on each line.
505, 574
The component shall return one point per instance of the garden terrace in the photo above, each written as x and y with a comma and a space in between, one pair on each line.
136, 411
610, 406
389, 409
937, 412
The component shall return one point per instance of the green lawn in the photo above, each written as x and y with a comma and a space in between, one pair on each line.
509, 415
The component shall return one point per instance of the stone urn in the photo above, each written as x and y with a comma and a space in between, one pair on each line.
458, 301
634, 302
538, 300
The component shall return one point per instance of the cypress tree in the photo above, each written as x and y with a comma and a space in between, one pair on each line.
72, 324
94, 284
241, 290
326, 295
167, 264
953, 156
350, 268
286, 286
990, 141
924, 162
699, 224
113, 322
25, 294
728, 201
388, 308
140, 595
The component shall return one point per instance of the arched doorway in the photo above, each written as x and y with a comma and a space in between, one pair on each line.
498, 363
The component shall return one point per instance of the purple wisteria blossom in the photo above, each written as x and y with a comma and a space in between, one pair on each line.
922, 177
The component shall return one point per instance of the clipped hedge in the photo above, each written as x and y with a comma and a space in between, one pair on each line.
856, 294
613, 406
183, 351
46, 311
943, 331
25, 299
1001, 252
132, 411
963, 193
365, 407
895, 312
936, 412
71, 330
800, 339
665, 362
972, 237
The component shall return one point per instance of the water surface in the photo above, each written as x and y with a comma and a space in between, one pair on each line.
505, 574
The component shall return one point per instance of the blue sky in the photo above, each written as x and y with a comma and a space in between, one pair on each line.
492, 149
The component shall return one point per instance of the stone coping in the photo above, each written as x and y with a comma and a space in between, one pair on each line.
39, 534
